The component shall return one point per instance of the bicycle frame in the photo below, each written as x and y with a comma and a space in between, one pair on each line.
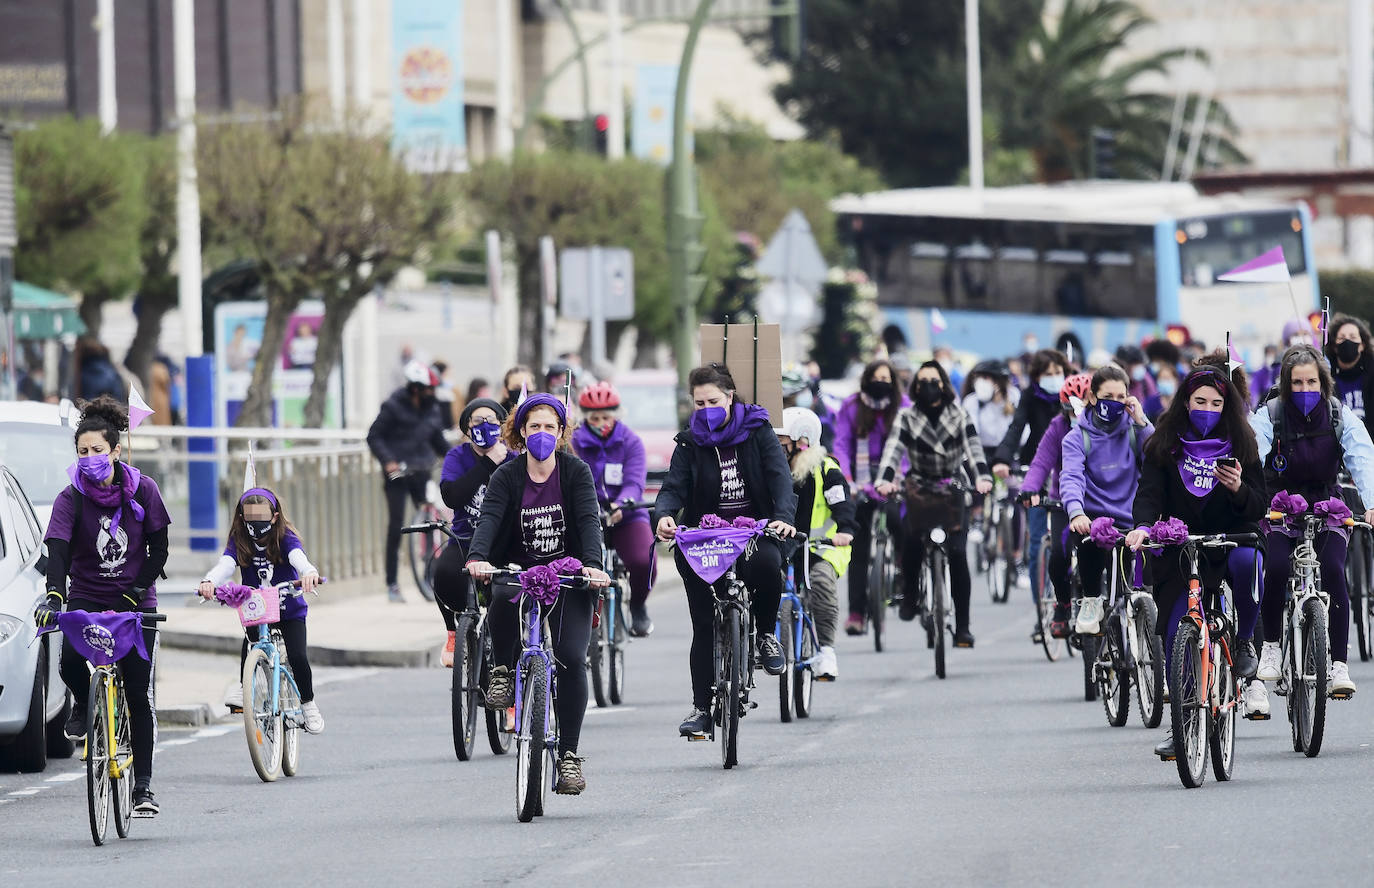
271, 643
111, 682
805, 624
532, 649
1304, 584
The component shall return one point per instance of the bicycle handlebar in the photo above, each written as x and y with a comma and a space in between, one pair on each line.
570, 582
1310, 516
1212, 541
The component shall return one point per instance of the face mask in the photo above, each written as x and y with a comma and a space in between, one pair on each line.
984, 389
541, 445
1204, 420
928, 392
805, 399
713, 417
878, 391
1109, 411
95, 467
1138, 372
1167, 387
1076, 405
1052, 384
1347, 351
1031, 345
1306, 402
605, 430
258, 529
485, 434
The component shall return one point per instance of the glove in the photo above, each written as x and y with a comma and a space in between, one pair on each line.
134, 597
45, 615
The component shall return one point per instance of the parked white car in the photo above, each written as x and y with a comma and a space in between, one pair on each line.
36, 444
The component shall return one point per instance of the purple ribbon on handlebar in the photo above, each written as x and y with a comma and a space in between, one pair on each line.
1333, 511
1172, 532
1104, 532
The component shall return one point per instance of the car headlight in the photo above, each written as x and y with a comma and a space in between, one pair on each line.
10, 628
937, 535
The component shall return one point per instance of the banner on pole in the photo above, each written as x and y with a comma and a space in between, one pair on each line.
652, 114
427, 84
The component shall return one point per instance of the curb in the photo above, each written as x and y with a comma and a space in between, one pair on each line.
190, 715
319, 656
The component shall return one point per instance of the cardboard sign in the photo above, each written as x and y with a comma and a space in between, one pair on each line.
756, 364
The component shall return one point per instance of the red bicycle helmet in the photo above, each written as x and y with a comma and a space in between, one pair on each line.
601, 396
1076, 386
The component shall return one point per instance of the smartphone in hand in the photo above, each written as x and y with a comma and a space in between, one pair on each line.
1229, 461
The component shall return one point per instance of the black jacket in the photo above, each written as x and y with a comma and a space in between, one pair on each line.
692, 487
1161, 494
404, 433
1033, 411
1364, 371
498, 539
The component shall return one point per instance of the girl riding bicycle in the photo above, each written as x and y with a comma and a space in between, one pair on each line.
939, 440
1202, 467
541, 507
615, 454
727, 462
108, 537
266, 549
1305, 436
860, 432
1101, 466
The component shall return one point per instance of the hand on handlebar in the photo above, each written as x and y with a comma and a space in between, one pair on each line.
481, 571
309, 582
615, 517
887, 488
206, 589
842, 539
782, 528
983, 485
1081, 525
667, 528
1136, 538
598, 578
1002, 470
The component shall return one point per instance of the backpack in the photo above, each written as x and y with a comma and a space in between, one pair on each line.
1135, 443
1274, 405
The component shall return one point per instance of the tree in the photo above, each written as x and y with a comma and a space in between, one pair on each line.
80, 209
157, 288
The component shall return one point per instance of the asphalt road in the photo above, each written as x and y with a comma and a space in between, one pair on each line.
1000, 774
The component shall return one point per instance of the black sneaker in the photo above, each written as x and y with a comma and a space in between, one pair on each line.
1059, 623
696, 723
770, 654
75, 726
144, 803
909, 608
501, 689
1165, 749
1247, 661
640, 624
963, 638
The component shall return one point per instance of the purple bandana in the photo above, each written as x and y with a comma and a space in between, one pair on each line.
711, 551
1197, 465
113, 495
104, 638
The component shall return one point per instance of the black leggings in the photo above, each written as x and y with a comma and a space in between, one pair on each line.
863, 539
956, 549
138, 689
761, 571
293, 633
412, 487
1092, 564
451, 583
570, 623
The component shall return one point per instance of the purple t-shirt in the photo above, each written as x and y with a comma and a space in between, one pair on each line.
104, 567
262, 572
542, 521
1351, 393
734, 499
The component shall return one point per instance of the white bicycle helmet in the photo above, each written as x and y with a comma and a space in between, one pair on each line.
421, 375
798, 423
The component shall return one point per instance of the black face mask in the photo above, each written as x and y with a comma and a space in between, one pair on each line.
878, 391
258, 529
929, 393
1347, 351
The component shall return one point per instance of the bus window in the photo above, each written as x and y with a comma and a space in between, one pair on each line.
1216, 244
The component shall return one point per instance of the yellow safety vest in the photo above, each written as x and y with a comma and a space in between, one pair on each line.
823, 522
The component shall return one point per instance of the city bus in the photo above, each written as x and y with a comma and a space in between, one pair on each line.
1110, 261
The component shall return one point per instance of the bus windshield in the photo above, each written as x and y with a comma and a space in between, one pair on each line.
1216, 244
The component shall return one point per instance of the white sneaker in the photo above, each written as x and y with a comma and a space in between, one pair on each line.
975, 535
825, 667
1022, 579
233, 698
314, 722
1340, 685
1089, 616
1255, 701
1270, 667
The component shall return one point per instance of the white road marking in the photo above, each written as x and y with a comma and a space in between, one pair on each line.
217, 731
610, 710
64, 778
183, 742
350, 674
32, 790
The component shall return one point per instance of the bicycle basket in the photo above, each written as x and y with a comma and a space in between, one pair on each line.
929, 506
262, 606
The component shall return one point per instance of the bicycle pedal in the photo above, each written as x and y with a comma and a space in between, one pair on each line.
235, 710
693, 738
1258, 716
825, 678
1341, 695
1168, 758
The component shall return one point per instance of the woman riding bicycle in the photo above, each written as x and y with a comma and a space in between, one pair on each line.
108, 536
860, 432
940, 442
539, 508
727, 462
1305, 436
615, 454
1201, 466
1101, 466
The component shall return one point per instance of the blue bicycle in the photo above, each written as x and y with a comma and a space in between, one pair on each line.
797, 633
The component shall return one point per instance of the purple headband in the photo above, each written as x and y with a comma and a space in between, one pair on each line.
1208, 376
262, 492
540, 400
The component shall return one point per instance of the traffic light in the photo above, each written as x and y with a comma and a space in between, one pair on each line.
601, 125
1104, 154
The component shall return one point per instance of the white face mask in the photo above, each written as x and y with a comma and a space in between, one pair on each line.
984, 389
1076, 404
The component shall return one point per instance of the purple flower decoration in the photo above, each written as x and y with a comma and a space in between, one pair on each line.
713, 522
1334, 511
744, 522
1104, 532
1288, 503
540, 583
1169, 533
566, 566
233, 594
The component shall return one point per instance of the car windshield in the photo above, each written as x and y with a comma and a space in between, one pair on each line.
38, 455
649, 406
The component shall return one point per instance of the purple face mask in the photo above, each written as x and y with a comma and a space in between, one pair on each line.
708, 418
1204, 420
95, 467
1306, 402
541, 445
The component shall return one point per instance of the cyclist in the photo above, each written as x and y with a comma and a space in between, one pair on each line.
108, 536
406, 437
1101, 467
1201, 466
463, 484
266, 550
860, 431
1348, 349
540, 508
727, 462
517, 381
1305, 435
615, 454
940, 442
990, 401
826, 511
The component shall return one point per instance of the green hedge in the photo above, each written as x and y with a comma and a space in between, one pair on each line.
1351, 292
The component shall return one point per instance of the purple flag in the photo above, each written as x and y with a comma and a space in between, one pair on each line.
104, 637
713, 551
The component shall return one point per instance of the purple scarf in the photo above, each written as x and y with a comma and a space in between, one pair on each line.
743, 419
711, 551
106, 637
115, 495
1197, 465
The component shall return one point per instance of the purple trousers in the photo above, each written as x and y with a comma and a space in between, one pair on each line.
633, 541
1331, 549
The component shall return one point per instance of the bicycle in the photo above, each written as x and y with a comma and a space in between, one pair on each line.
933, 580
108, 751
606, 652
1304, 652
994, 554
884, 567
1359, 561
1054, 648
796, 632
1130, 651
423, 551
472, 665
1204, 697
536, 692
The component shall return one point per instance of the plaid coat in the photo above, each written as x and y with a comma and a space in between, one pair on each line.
945, 448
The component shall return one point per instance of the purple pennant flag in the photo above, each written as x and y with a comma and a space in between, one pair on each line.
106, 637
711, 551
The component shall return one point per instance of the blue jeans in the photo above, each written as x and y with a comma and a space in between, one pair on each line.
1038, 520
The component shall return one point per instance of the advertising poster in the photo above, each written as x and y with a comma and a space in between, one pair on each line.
427, 84
238, 341
651, 132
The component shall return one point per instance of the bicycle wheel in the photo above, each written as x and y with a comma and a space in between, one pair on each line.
937, 614
529, 744
1188, 714
805, 678
1148, 650
1222, 738
1113, 679
465, 687
261, 724
598, 663
787, 633
497, 737
1044, 611
1357, 581
422, 550
122, 787
1089, 645
879, 585
97, 757
1308, 692
732, 686
293, 724
618, 639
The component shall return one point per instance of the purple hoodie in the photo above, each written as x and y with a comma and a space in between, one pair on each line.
1043, 473
1106, 484
617, 462
845, 450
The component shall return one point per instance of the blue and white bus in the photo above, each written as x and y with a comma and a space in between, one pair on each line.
1110, 261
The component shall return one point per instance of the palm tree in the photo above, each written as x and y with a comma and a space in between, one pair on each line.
1063, 88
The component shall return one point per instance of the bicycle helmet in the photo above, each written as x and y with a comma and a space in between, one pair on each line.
794, 381
599, 396
465, 418
1076, 386
419, 374
994, 368
798, 423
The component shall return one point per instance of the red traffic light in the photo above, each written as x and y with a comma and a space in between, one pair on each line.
602, 123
